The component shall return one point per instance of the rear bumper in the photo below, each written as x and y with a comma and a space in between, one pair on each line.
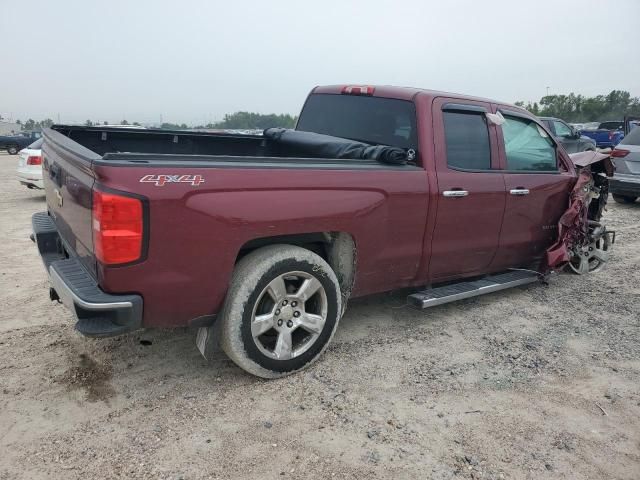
623, 184
30, 178
98, 314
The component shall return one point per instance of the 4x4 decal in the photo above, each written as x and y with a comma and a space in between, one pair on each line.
161, 180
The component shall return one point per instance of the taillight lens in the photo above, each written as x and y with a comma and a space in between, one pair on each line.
117, 228
619, 153
34, 160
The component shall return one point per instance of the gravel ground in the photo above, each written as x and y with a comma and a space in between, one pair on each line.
533, 383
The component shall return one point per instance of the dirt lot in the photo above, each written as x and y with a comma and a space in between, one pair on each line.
538, 382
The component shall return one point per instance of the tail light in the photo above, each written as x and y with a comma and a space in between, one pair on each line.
358, 90
619, 153
118, 228
34, 160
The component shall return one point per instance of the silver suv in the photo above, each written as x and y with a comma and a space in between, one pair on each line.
625, 184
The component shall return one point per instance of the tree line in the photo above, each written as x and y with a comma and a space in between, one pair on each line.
237, 120
243, 121
579, 108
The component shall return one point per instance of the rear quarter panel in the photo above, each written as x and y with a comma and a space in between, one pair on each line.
196, 232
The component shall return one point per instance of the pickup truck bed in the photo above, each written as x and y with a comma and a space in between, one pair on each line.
235, 205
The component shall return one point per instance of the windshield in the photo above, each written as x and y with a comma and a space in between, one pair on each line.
37, 144
374, 120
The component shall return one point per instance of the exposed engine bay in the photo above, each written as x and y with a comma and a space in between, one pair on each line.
584, 243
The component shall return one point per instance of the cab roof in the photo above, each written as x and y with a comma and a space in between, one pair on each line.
407, 93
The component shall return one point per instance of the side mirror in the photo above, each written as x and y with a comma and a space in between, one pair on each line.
576, 133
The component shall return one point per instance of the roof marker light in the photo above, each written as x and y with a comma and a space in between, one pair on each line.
358, 90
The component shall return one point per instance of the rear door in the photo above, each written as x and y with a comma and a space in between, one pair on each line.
471, 190
538, 178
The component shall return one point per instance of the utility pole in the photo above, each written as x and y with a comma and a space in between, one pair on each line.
547, 91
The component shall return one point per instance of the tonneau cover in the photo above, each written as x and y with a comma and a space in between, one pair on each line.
309, 144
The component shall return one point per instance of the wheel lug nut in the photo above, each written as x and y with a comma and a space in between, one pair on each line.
277, 311
289, 324
294, 303
280, 322
284, 303
296, 314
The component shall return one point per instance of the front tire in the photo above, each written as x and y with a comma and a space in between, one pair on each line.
12, 150
281, 311
624, 198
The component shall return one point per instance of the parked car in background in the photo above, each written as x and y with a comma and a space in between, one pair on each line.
14, 143
569, 136
625, 184
607, 135
29, 170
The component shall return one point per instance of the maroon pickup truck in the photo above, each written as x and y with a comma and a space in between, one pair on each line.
261, 240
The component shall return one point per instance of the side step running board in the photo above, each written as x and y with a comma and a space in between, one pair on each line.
458, 291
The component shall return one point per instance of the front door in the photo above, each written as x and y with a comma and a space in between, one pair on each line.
471, 190
538, 178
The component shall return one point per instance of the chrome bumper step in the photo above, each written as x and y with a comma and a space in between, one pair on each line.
458, 291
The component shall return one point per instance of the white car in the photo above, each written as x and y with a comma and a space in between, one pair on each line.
29, 171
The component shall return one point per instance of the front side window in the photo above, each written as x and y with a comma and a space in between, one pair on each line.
527, 146
467, 140
562, 129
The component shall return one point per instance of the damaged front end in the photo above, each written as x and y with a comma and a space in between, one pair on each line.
583, 242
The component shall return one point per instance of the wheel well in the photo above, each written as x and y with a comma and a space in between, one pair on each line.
337, 248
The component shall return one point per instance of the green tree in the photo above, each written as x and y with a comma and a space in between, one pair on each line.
88, 123
578, 108
171, 126
250, 121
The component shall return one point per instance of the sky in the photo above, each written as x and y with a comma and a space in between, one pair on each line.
193, 61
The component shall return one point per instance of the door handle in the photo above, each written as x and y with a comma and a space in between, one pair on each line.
519, 191
455, 193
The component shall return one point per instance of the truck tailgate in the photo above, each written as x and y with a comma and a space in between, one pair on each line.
68, 179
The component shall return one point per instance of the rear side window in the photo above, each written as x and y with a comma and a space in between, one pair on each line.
632, 138
373, 120
467, 140
611, 126
527, 146
37, 144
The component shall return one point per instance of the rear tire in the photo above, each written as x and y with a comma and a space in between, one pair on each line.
624, 198
281, 311
12, 150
